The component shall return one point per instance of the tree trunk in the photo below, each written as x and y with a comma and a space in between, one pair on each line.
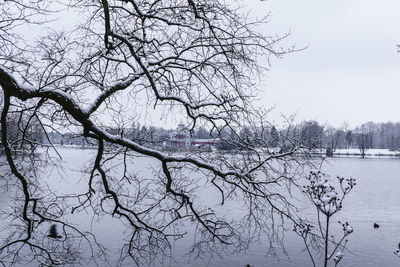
326, 241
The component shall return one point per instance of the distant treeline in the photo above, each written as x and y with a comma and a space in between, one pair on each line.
308, 133
366, 136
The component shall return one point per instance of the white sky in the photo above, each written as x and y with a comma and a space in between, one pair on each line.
351, 69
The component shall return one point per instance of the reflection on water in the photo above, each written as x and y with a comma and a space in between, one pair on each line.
376, 198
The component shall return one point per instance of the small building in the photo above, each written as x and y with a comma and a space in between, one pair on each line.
181, 137
205, 142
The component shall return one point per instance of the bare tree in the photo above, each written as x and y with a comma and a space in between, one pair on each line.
362, 140
195, 58
311, 134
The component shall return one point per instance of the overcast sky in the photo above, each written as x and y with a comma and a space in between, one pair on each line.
351, 69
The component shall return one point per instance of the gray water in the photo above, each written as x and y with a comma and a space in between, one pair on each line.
376, 198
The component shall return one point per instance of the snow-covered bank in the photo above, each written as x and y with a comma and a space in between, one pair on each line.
368, 152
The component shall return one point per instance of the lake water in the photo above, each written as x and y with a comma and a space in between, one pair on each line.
375, 198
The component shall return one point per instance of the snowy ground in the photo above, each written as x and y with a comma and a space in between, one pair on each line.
368, 152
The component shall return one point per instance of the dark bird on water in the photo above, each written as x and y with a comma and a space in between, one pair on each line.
53, 232
376, 225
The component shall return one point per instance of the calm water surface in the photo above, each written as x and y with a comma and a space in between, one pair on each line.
376, 198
